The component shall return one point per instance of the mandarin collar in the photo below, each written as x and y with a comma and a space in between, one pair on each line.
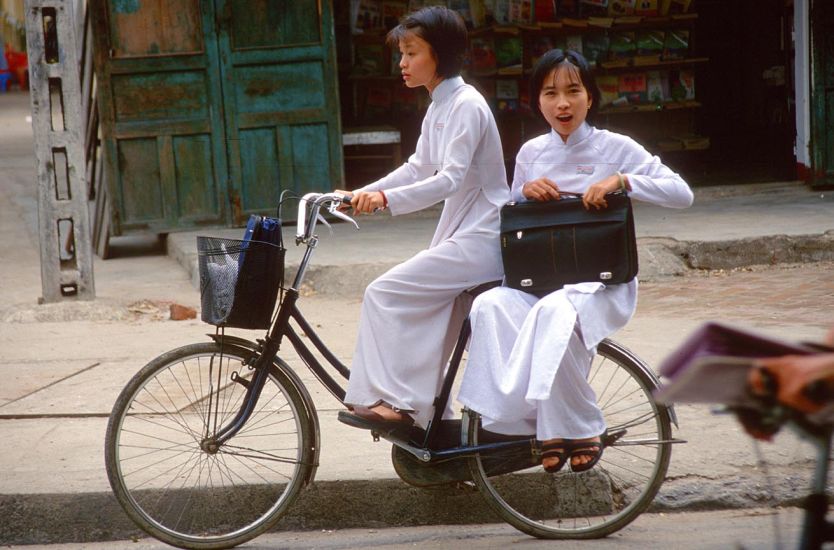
445, 88
575, 137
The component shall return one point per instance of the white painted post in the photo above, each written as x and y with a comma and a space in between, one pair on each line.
55, 92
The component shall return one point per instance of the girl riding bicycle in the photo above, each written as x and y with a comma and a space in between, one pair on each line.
459, 160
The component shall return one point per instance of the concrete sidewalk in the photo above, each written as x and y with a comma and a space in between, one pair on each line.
64, 364
727, 227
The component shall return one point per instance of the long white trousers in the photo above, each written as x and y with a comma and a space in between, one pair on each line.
528, 366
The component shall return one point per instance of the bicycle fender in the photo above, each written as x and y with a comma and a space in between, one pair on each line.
309, 407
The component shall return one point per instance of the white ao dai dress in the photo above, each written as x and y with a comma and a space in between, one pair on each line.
529, 358
411, 315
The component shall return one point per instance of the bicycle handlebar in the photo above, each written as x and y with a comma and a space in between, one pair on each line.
309, 207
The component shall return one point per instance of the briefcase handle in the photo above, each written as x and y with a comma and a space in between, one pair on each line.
579, 195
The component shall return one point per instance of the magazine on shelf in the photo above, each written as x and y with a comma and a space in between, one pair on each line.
682, 85
712, 365
676, 44
617, 8
657, 86
646, 8
633, 87
508, 54
609, 88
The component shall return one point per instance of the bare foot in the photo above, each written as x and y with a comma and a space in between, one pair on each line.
388, 413
578, 458
553, 463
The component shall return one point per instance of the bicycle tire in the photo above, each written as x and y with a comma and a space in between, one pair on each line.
170, 484
600, 501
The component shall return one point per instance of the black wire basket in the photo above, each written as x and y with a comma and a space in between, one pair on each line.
239, 281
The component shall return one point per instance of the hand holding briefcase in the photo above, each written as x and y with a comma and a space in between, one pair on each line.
546, 245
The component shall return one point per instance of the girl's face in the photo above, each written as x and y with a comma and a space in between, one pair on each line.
418, 65
564, 101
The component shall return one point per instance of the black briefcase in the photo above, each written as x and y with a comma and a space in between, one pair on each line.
546, 245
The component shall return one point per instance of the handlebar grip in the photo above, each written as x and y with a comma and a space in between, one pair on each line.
347, 198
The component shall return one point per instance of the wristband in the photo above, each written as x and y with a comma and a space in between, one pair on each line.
384, 199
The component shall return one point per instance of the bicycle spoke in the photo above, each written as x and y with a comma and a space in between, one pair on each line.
170, 477
607, 497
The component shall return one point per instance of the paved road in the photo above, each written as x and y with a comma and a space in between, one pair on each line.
741, 529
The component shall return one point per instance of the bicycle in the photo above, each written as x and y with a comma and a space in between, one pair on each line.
209, 444
768, 413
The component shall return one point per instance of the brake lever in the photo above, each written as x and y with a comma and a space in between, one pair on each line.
334, 209
341, 215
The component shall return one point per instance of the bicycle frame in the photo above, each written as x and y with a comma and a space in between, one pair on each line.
266, 350
288, 311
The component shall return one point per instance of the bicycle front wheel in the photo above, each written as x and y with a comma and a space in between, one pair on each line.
165, 468
602, 500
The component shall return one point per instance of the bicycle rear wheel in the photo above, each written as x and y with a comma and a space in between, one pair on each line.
600, 501
169, 476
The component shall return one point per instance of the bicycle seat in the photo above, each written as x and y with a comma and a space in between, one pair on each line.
483, 287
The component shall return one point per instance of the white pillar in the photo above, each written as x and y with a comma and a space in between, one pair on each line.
802, 84
55, 92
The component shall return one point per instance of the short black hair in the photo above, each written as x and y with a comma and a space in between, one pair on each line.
551, 61
445, 32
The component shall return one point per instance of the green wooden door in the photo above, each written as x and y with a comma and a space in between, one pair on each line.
209, 109
160, 109
822, 98
281, 103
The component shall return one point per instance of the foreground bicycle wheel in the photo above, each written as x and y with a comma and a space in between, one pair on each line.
600, 501
169, 476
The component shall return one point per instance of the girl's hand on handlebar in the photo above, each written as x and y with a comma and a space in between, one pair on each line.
541, 190
348, 197
367, 202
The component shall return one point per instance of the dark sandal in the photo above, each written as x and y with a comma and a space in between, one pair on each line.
584, 448
556, 449
366, 419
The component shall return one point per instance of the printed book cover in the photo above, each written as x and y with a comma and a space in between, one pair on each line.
545, 11
619, 8
623, 45
508, 54
646, 8
482, 60
633, 87
682, 85
657, 86
676, 44
609, 88
595, 47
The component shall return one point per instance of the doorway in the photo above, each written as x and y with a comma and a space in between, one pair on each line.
211, 108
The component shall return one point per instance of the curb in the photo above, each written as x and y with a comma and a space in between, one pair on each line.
97, 517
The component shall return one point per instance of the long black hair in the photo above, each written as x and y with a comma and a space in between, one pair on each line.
578, 66
445, 32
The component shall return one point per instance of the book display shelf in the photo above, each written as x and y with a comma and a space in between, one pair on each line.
642, 51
